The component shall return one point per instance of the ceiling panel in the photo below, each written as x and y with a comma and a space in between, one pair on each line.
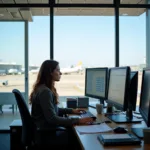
3, 10
12, 9
63, 1
7, 16
21, 1
66, 11
131, 12
134, 1
16, 15
35, 1
76, 1
37, 11
46, 11
45, 1
99, 1
40, 11
8, 1
97, 12
26, 14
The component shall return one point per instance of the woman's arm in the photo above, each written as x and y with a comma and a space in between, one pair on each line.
64, 111
46, 102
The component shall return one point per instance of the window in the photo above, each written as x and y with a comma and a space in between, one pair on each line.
133, 40
82, 38
39, 42
12, 56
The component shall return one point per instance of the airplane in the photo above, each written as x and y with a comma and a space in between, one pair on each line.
12, 71
77, 69
34, 71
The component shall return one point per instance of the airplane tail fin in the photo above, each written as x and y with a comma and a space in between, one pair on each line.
79, 63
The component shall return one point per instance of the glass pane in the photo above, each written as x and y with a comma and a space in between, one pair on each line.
135, 1
133, 40
11, 56
12, 49
83, 38
24, 1
85, 1
39, 42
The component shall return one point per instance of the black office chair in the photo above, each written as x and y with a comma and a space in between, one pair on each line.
29, 129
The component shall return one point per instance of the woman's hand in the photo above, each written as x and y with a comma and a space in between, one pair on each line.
78, 111
86, 121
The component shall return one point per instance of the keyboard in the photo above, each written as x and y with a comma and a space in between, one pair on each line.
88, 114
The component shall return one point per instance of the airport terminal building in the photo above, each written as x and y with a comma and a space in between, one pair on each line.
7, 68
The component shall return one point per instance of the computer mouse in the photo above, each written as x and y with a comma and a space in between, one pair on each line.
120, 130
94, 118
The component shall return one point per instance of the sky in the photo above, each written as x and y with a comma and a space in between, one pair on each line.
90, 39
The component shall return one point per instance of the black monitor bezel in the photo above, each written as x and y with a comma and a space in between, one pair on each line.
146, 118
134, 77
94, 96
126, 95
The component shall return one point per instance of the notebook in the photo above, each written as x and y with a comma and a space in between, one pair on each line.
118, 139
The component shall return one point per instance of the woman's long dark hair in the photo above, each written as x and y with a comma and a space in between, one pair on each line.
44, 77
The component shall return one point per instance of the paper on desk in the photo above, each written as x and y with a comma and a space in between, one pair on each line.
103, 127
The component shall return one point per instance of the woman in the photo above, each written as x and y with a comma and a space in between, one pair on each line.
44, 99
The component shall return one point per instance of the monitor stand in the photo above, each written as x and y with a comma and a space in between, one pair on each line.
93, 104
124, 118
138, 132
121, 118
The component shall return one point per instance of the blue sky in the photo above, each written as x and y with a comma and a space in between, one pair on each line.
88, 39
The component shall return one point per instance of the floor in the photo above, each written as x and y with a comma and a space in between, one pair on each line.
7, 117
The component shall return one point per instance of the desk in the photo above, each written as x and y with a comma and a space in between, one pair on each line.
90, 142
15, 135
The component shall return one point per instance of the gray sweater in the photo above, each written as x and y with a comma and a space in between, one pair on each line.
45, 112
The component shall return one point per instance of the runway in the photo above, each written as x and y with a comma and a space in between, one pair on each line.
69, 85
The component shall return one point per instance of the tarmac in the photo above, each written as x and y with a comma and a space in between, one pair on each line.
69, 85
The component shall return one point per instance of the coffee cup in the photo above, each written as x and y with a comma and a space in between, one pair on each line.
99, 108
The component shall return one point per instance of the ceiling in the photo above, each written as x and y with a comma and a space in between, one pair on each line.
29, 13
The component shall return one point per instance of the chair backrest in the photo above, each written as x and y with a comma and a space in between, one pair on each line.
27, 123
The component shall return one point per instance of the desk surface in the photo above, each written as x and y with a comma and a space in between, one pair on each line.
90, 142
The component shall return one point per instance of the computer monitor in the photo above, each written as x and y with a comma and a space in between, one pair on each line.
144, 107
96, 83
118, 85
120, 94
133, 90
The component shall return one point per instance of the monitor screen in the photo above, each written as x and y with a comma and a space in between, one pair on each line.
118, 85
96, 82
144, 107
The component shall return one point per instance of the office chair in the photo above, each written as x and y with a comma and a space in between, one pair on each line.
29, 129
